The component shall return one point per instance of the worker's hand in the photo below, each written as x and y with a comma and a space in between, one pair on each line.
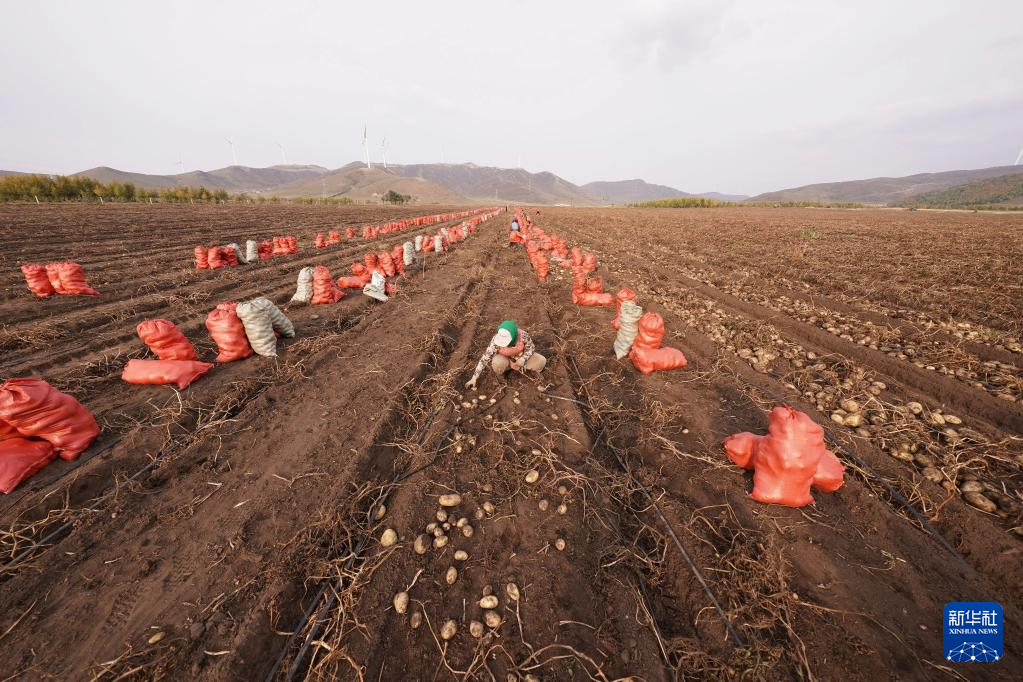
516, 366
471, 383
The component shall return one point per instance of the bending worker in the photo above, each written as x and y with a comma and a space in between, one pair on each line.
511, 347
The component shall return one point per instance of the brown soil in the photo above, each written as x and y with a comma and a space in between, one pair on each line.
237, 519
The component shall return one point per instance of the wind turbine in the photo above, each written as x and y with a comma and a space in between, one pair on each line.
1018, 157
180, 164
383, 150
365, 146
234, 154
284, 157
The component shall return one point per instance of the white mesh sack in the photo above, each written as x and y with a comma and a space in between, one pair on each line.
304, 289
628, 322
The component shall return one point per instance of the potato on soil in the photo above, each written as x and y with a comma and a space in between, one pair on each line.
476, 629
416, 619
532, 476
492, 619
422, 543
448, 630
488, 602
451, 576
388, 538
401, 602
512, 590
450, 500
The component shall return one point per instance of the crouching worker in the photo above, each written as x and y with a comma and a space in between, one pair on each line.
511, 347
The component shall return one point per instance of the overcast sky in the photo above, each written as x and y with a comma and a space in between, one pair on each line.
741, 97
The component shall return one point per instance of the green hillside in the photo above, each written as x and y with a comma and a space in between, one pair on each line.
1004, 190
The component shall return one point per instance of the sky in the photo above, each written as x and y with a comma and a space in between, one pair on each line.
730, 96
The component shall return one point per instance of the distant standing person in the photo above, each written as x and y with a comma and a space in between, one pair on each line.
511, 347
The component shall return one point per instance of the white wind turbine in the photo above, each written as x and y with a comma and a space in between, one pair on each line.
1019, 157
284, 157
383, 150
365, 146
234, 154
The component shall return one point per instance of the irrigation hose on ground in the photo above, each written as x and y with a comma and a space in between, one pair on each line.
671, 531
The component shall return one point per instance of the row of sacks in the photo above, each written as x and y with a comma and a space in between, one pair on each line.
66, 277
371, 231
216, 257
315, 286
639, 335
38, 423
787, 463
238, 329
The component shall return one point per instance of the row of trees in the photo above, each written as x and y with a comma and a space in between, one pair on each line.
62, 188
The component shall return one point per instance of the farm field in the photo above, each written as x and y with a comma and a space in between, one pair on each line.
232, 531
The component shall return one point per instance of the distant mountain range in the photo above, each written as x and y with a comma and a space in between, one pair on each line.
633, 191
1004, 190
467, 182
427, 183
890, 191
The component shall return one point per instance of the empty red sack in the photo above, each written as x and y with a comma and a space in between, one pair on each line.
624, 294
202, 260
20, 458
38, 282
38, 410
180, 372
228, 333
165, 340
324, 291
787, 461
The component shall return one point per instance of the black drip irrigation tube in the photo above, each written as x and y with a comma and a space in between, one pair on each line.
732, 632
335, 584
870, 470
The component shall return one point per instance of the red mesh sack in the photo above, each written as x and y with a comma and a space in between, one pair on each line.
53, 274
428, 245
215, 257
228, 333
165, 340
577, 256
650, 360
321, 241
788, 460
7, 431
386, 264
595, 285
324, 291
334, 237
38, 410
72, 277
350, 233
590, 262
292, 244
38, 282
230, 255
202, 261
624, 294
651, 331
21, 458
180, 372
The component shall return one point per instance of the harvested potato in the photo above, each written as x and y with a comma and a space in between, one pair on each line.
422, 543
448, 630
532, 476
401, 602
451, 576
488, 602
512, 590
388, 538
450, 500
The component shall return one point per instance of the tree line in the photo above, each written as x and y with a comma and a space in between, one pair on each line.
63, 188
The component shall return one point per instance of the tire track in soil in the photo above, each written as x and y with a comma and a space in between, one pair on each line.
865, 562
118, 405
564, 602
993, 559
112, 321
186, 520
15, 222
